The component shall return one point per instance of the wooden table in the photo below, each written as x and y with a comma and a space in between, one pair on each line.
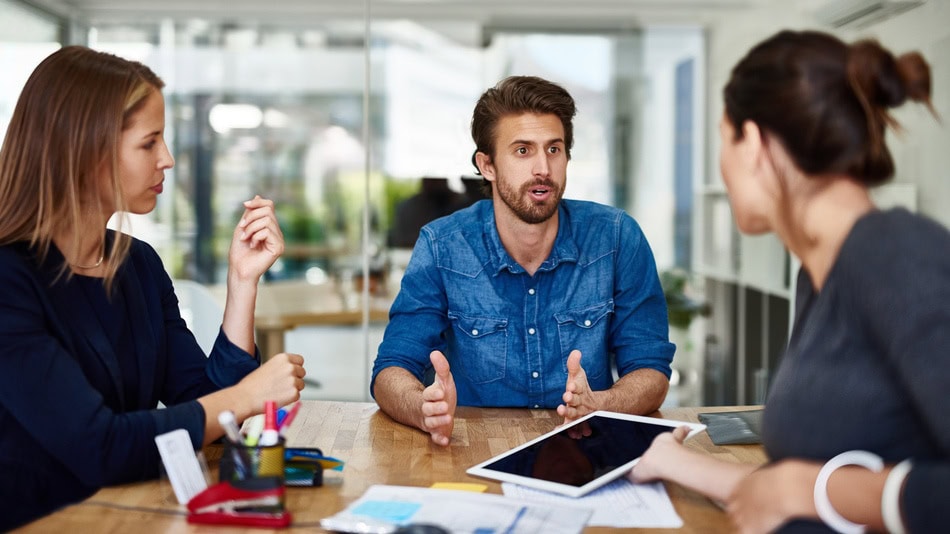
378, 450
285, 305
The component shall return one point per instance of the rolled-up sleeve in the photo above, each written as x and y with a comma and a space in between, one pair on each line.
417, 317
640, 333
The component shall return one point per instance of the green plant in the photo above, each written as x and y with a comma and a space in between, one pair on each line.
681, 307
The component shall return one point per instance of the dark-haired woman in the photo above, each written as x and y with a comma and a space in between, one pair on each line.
856, 418
91, 337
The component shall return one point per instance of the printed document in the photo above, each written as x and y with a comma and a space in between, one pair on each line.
382, 509
621, 504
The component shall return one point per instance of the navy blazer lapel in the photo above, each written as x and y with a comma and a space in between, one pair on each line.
90, 328
143, 333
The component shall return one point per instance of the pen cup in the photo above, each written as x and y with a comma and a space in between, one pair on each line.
243, 461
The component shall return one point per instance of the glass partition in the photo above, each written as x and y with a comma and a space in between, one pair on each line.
359, 130
27, 36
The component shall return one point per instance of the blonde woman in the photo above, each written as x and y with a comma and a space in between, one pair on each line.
91, 338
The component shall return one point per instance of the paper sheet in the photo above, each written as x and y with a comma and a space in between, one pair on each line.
621, 504
383, 508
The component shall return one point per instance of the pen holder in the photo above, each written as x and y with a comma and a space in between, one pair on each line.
244, 461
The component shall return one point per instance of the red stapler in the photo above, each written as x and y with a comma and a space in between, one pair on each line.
253, 502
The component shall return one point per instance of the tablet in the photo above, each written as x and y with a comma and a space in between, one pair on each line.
582, 456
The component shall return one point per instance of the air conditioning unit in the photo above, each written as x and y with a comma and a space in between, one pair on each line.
861, 13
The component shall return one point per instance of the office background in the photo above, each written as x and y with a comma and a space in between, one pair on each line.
340, 111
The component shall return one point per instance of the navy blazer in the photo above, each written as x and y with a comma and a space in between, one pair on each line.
66, 426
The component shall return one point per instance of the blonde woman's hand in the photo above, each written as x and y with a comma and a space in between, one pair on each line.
280, 379
257, 241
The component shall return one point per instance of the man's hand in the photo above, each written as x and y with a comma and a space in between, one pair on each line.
578, 398
439, 401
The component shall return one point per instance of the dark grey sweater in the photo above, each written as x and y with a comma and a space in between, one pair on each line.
868, 362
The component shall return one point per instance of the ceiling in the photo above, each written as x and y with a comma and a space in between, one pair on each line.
471, 22
557, 14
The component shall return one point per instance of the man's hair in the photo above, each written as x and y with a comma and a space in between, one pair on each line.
516, 95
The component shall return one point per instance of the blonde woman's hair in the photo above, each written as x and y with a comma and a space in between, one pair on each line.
64, 132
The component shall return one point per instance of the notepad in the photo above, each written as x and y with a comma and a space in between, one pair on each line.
181, 464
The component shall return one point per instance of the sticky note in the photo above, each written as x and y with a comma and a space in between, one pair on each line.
461, 486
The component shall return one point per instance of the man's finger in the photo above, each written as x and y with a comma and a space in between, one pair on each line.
434, 409
440, 364
433, 393
574, 363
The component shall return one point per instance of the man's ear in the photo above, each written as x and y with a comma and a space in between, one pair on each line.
485, 166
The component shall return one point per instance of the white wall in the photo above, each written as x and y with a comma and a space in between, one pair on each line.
922, 153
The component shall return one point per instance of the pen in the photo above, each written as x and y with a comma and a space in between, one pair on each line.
255, 425
288, 420
226, 418
241, 463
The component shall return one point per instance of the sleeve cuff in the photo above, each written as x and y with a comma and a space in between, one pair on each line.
188, 415
925, 498
228, 363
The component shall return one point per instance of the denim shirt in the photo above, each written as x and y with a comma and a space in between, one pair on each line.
507, 334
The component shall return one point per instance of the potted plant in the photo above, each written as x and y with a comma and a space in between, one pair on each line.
681, 307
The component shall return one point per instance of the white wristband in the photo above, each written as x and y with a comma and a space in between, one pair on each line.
823, 505
891, 498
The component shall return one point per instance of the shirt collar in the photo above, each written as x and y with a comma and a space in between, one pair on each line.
564, 249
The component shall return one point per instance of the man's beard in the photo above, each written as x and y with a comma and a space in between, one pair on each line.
523, 206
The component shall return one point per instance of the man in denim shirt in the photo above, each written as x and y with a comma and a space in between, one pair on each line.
525, 300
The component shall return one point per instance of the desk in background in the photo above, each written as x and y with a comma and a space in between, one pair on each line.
285, 305
378, 450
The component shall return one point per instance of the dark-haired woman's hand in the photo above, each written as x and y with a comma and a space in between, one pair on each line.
770, 496
663, 453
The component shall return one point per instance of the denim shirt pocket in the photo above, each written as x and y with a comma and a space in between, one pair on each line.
482, 346
586, 329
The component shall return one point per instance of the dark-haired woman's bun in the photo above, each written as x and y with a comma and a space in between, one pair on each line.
915, 75
874, 75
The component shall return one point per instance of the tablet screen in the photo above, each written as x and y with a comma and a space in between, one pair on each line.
602, 445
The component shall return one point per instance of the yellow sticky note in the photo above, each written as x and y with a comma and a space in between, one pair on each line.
461, 486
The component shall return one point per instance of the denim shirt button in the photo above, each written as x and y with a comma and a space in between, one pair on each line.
587, 322
474, 331
531, 291
535, 374
531, 331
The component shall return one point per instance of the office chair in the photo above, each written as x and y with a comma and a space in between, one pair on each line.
201, 311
